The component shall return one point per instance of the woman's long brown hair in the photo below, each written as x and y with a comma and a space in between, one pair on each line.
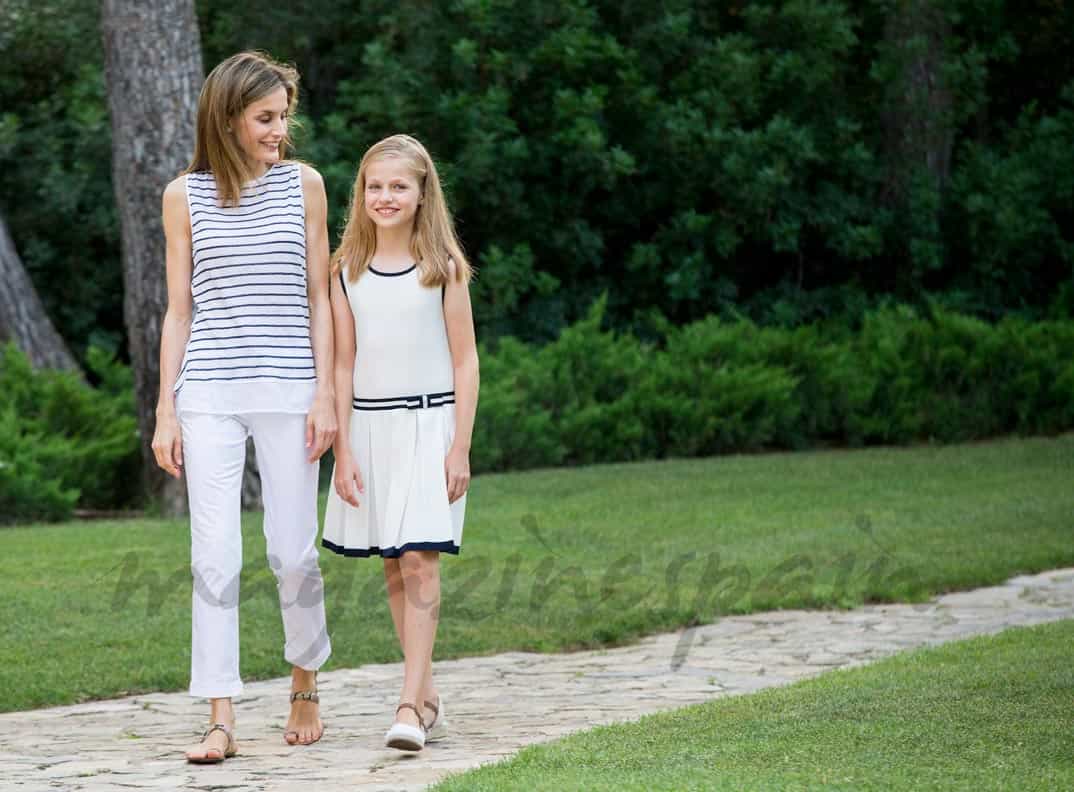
230, 88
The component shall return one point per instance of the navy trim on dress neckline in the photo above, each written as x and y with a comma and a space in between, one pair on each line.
392, 274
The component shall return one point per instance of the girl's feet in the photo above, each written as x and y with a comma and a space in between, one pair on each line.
408, 731
304, 725
435, 719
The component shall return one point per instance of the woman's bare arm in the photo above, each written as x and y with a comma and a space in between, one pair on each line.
175, 329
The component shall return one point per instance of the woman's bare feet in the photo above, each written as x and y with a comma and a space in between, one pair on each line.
217, 743
304, 724
214, 748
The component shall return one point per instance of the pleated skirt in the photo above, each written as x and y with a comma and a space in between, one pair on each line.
400, 455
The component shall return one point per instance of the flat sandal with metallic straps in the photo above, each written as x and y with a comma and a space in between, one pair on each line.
229, 750
304, 695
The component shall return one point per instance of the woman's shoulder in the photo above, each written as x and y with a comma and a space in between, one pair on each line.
175, 195
311, 177
175, 210
175, 187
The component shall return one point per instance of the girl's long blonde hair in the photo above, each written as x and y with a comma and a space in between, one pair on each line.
230, 88
433, 242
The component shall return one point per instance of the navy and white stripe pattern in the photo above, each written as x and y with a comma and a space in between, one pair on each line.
420, 401
251, 307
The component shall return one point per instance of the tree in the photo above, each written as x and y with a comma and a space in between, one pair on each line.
22, 316
153, 71
919, 125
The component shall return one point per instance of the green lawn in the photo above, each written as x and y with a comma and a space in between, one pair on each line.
561, 559
989, 713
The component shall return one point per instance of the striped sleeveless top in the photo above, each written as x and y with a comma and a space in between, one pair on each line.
249, 347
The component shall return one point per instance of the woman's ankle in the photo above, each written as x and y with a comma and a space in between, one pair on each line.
302, 679
221, 710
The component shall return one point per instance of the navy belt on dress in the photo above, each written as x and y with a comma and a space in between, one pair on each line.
419, 402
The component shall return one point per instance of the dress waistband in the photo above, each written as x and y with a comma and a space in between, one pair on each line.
419, 402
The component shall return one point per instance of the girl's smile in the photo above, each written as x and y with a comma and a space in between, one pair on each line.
392, 193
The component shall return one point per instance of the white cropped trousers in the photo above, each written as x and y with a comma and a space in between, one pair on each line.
214, 454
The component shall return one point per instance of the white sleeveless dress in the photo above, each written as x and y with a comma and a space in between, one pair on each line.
402, 422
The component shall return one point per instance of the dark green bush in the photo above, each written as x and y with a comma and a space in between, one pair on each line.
595, 395
514, 430
29, 490
588, 380
1032, 368
711, 391
63, 442
717, 386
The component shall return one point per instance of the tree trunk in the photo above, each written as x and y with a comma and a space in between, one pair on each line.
153, 69
22, 316
919, 136
154, 73
918, 116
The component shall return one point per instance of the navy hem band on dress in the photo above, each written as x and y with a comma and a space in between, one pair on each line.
390, 552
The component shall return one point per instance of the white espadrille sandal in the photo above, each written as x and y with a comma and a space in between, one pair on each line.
438, 729
403, 736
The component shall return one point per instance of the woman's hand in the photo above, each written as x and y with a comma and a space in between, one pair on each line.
457, 470
348, 479
168, 444
320, 427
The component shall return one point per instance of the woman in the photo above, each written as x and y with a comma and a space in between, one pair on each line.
246, 350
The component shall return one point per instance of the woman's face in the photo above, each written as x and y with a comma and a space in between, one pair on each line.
261, 128
392, 192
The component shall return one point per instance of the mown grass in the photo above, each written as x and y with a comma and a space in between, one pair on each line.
560, 559
991, 713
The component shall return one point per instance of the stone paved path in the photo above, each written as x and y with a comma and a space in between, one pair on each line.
134, 743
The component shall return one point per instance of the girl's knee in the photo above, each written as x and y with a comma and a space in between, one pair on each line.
422, 564
413, 560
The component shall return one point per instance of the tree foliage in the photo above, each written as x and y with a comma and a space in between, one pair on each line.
686, 157
55, 154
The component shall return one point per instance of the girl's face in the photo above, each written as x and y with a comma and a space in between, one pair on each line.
261, 128
392, 192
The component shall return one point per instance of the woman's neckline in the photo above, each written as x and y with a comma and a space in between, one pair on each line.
259, 179
392, 274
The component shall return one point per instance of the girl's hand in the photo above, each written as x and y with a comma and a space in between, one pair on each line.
457, 470
168, 444
348, 479
320, 427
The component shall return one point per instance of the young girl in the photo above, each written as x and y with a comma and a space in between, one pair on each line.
246, 349
406, 388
